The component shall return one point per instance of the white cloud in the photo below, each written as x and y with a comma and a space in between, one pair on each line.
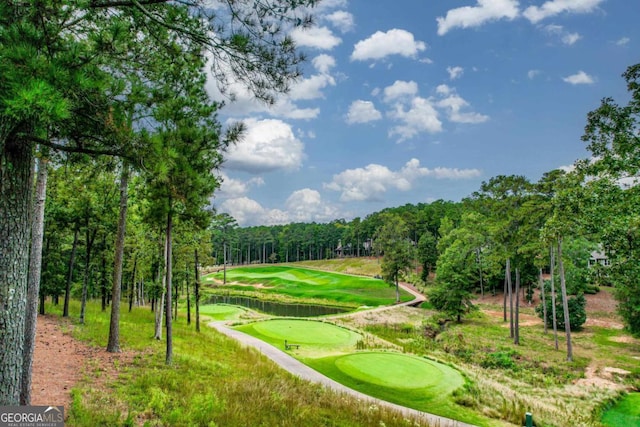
373, 181
400, 89
555, 7
443, 89
566, 37
532, 74
485, 11
311, 87
393, 42
623, 41
231, 187
267, 145
323, 63
306, 205
341, 20
580, 78
315, 37
571, 38
419, 116
455, 72
362, 112
453, 104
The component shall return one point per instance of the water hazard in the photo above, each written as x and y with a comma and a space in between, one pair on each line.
277, 308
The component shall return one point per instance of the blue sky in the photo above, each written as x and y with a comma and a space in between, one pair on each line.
414, 101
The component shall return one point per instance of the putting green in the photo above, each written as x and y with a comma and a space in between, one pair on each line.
306, 332
221, 311
626, 413
399, 371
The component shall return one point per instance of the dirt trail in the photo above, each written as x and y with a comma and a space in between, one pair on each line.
60, 361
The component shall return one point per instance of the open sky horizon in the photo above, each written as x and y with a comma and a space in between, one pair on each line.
411, 102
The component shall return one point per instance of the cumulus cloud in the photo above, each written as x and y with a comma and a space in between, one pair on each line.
455, 72
342, 20
362, 112
267, 145
400, 89
571, 38
580, 78
418, 116
315, 37
305, 205
373, 181
551, 8
324, 63
231, 187
381, 45
311, 87
475, 16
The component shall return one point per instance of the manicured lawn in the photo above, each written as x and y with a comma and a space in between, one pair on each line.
221, 311
311, 284
407, 380
315, 338
625, 413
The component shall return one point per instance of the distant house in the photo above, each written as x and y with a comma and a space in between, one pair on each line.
598, 257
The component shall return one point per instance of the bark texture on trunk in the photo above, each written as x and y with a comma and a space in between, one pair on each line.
15, 205
113, 346
565, 302
169, 354
33, 288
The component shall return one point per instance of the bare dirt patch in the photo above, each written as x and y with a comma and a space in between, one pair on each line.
60, 361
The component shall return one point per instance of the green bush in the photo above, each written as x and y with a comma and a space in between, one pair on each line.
577, 311
502, 359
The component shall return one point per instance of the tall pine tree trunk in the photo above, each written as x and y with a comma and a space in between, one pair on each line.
72, 261
186, 275
169, 354
565, 302
510, 290
553, 298
544, 302
197, 291
33, 288
516, 338
113, 346
87, 270
15, 206
159, 306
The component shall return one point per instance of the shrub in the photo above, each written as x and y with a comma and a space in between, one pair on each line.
577, 311
502, 359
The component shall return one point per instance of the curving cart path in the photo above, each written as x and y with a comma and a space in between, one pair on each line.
301, 370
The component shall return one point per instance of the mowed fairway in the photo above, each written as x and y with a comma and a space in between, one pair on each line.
312, 284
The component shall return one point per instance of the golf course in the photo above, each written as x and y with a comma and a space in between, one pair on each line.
303, 284
339, 352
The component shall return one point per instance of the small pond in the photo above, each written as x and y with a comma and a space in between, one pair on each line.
277, 308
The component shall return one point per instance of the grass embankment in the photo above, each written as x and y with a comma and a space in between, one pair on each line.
399, 378
213, 382
304, 284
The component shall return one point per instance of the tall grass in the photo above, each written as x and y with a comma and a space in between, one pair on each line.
213, 382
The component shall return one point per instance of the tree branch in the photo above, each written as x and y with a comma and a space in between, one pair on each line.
75, 149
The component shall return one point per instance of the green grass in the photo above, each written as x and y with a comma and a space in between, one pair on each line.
303, 283
626, 413
213, 382
222, 311
315, 338
403, 379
